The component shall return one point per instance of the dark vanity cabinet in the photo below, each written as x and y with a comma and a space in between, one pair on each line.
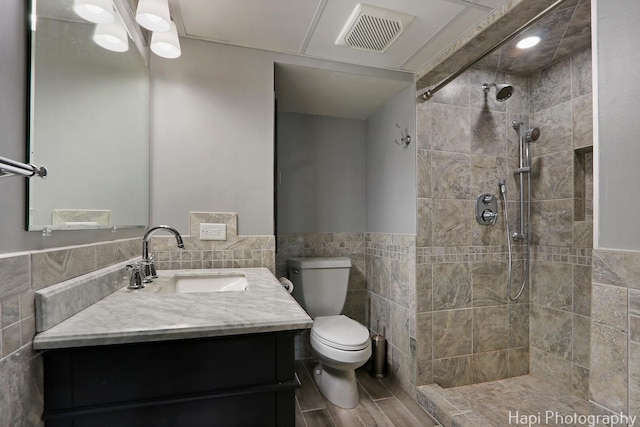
242, 380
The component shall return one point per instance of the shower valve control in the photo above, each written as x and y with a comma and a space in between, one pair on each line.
486, 209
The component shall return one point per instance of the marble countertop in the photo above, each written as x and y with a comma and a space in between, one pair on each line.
131, 316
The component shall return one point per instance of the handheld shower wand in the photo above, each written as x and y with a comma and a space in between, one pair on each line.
503, 190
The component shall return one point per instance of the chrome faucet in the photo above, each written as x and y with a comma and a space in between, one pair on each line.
148, 267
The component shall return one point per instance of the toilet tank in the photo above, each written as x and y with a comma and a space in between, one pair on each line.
320, 284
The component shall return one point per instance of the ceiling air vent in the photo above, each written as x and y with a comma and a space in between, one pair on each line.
373, 28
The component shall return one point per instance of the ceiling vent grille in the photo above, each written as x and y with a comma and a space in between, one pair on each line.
373, 28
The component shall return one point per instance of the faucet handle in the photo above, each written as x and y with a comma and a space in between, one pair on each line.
148, 270
135, 281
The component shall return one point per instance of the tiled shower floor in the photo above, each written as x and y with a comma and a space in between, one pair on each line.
503, 403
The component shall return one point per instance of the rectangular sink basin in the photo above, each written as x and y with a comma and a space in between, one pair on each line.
192, 282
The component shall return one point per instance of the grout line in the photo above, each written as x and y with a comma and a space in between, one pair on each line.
411, 413
331, 418
385, 398
383, 413
304, 421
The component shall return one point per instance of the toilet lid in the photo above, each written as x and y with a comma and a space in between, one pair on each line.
340, 332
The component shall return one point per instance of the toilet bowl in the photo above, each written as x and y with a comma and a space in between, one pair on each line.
342, 345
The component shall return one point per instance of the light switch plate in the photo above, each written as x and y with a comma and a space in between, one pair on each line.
213, 231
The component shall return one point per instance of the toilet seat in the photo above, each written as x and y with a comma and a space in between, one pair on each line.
340, 332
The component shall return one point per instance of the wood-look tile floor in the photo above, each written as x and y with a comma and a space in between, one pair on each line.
382, 403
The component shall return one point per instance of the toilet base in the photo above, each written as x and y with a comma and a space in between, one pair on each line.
337, 386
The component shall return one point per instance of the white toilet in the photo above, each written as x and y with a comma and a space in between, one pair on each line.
341, 344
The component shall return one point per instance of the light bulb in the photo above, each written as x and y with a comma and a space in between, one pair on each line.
528, 42
154, 15
96, 11
166, 44
112, 36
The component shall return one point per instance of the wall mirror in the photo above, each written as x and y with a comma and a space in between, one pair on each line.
88, 119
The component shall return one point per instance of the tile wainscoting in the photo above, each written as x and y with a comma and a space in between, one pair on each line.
391, 289
614, 382
237, 251
21, 274
292, 245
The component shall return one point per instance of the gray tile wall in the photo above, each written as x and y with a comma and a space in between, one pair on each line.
467, 331
237, 251
562, 224
21, 274
391, 294
614, 382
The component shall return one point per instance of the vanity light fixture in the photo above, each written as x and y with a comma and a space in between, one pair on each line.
112, 36
96, 11
166, 44
528, 42
154, 15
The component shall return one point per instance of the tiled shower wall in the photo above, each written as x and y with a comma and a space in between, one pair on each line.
561, 213
467, 330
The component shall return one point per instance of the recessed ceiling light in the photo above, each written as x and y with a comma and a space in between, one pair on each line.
528, 42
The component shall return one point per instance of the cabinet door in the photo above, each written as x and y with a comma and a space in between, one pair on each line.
241, 411
227, 381
123, 373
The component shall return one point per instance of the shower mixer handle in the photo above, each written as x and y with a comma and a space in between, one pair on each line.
489, 216
486, 209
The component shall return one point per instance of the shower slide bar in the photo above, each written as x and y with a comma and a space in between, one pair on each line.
10, 167
425, 96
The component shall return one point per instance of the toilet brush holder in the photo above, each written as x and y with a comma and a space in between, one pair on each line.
378, 356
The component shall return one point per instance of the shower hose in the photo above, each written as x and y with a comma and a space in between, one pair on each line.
503, 191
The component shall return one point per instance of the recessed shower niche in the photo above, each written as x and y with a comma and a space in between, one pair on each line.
583, 184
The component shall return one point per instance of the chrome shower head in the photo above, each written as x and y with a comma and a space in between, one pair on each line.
503, 91
532, 134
